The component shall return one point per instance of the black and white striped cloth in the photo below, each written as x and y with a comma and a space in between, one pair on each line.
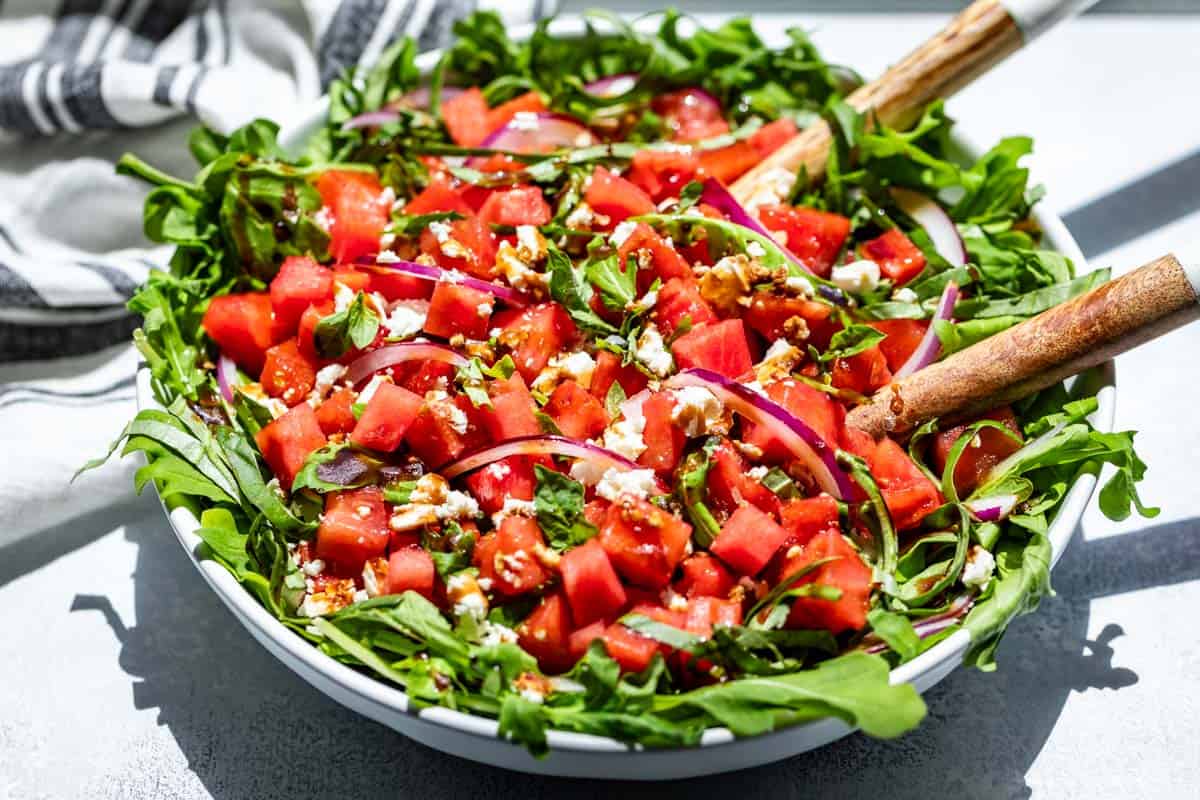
82, 81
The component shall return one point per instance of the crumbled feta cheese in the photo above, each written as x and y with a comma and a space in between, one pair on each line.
578, 366
756, 250
531, 245
757, 473
514, 507
255, 392
458, 505
314, 568
440, 231
640, 483
674, 601
651, 350
327, 377
581, 217
386, 240
472, 605
275, 488
622, 232
449, 246
756, 387
483, 309
625, 435
374, 575
517, 271
447, 410
331, 597
798, 285
905, 295
361, 596
778, 362
697, 410
343, 296
388, 257
774, 186
978, 569
532, 696
406, 317
589, 473
372, 386
727, 282
856, 277
495, 633
431, 490
412, 517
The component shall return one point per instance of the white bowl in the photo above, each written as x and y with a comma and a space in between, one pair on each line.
574, 754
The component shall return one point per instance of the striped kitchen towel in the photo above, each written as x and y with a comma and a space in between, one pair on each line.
82, 81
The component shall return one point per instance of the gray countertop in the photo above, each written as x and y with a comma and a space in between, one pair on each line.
124, 676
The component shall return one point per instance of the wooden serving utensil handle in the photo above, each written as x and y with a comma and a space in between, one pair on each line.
981, 36
1039, 352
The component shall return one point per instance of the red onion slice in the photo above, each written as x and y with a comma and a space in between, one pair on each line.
992, 509
612, 86
505, 294
936, 222
927, 627
417, 98
719, 198
371, 119
226, 376
536, 446
931, 346
392, 354
536, 132
817, 455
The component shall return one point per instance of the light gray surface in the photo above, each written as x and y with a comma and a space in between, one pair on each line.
124, 677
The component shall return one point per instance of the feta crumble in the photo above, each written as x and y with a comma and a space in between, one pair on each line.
637, 482
622, 232
514, 507
578, 366
495, 633
518, 271
652, 352
697, 410
406, 317
978, 569
372, 386
625, 435
756, 250
905, 295
856, 277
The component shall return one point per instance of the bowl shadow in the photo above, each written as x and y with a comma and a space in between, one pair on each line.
250, 728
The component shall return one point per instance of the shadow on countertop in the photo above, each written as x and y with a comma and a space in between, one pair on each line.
250, 728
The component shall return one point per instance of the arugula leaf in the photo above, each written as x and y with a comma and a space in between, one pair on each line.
853, 687
1022, 580
472, 378
558, 501
691, 487
896, 631
617, 284
352, 328
850, 341
570, 289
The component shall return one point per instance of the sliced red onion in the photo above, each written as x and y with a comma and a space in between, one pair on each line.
536, 132
931, 346
817, 455
371, 119
936, 222
930, 625
612, 86
226, 376
717, 196
546, 445
505, 294
992, 509
417, 98
392, 354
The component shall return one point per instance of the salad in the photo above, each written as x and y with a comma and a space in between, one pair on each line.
497, 393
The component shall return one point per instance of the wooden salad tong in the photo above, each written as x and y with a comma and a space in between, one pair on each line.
1041, 351
983, 35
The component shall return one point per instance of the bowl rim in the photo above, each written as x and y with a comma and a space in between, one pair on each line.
393, 699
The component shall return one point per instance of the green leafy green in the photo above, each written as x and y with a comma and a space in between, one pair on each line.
352, 328
558, 501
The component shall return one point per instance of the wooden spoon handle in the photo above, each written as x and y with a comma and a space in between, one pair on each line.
981, 36
1041, 351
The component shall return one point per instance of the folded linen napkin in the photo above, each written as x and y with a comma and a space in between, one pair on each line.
82, 81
